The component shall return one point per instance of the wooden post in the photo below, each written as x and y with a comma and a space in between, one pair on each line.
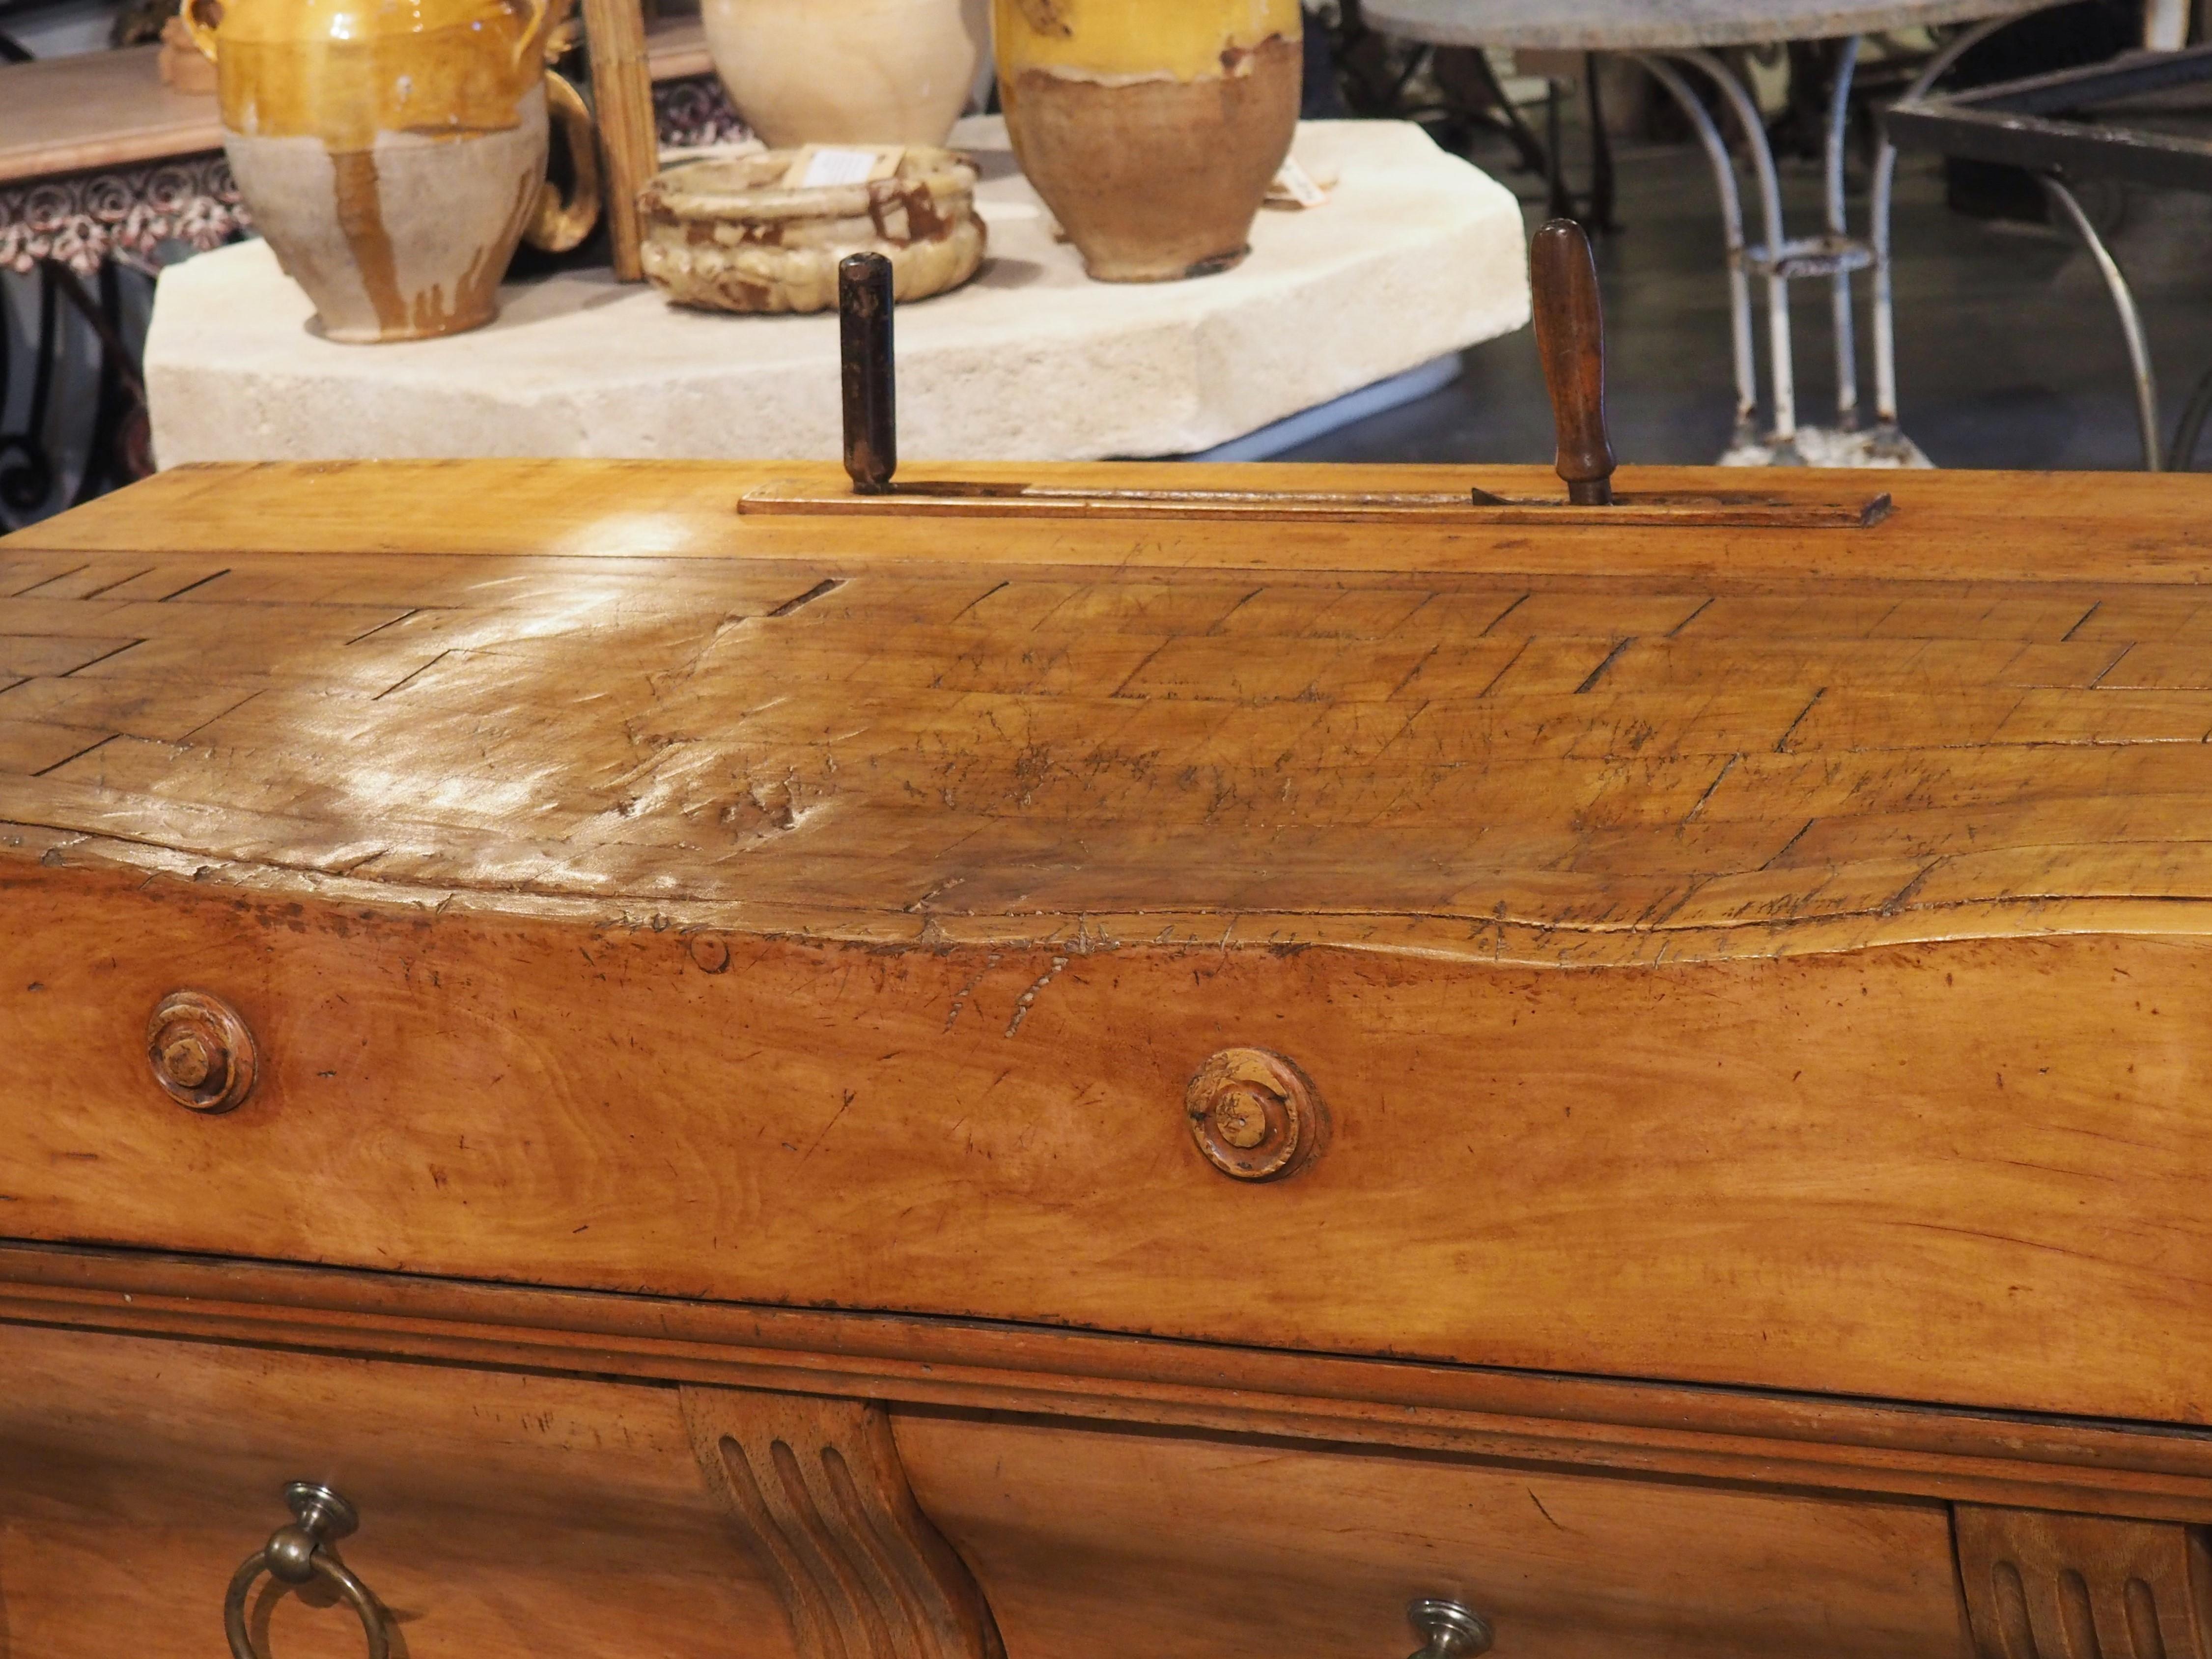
865, 304
630, 137
1570, 338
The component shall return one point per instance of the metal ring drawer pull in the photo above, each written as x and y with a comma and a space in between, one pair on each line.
1455, 1630
296, 1554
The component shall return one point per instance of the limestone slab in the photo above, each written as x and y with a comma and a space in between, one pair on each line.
1664, 25
1415, 255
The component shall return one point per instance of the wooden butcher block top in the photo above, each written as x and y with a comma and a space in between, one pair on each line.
1766, 956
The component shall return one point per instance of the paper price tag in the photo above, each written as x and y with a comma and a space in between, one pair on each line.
1293, 187
820, 165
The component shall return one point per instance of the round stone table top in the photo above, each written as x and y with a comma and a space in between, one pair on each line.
1415, 256
1662, 25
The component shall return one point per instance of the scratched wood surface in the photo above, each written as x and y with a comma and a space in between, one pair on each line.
635, 896
1589, 765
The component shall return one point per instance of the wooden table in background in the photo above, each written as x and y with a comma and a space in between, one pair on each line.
99, 159
102, 165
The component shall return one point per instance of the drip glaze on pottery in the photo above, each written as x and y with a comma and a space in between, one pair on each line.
727, 234
394, 155
1151, 127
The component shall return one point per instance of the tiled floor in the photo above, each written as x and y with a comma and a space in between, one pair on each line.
2010, 355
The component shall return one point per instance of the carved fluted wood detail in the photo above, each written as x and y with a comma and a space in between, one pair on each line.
816, 1490
2047, 1586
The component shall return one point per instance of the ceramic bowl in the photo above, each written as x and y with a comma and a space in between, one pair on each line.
727, 234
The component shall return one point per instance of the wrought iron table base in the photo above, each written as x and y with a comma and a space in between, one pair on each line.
2131, 316
1835, 256
2024, 123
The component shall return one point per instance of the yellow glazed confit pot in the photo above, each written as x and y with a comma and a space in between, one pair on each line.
1151, 127
393, 151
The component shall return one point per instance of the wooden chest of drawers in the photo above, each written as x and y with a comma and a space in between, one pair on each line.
748, 1083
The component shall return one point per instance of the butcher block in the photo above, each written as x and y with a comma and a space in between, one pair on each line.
624, 1059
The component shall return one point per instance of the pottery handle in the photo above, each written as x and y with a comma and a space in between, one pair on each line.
537, 18
556, 225
1570, 338
203, 32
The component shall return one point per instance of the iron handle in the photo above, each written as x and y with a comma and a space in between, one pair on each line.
296, 1554
1454, 1629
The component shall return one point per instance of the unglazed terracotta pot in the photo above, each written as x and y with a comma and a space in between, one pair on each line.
848, 71
1151, 127
393, 154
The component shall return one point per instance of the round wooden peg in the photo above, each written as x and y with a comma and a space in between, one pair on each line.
1254, 1115
202, 1054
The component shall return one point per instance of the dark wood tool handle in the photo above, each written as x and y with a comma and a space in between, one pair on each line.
865, 304
1571, 336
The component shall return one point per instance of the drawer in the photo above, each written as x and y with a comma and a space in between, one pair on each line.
510, 1517
503, 1516
1971, 1172
1094, 1541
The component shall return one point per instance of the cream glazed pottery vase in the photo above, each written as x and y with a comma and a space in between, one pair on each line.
1152, 128
848, 71
393, 151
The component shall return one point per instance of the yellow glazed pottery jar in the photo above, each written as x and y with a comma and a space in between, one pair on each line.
848, 71
393, 151
1151, 127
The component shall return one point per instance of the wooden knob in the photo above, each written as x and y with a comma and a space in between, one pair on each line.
1570, 338
1254, 1115
202, 1054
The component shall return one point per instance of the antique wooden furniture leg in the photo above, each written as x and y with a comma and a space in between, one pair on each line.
815, 1488
2040, 1585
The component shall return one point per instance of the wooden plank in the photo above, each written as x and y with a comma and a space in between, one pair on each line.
1530, 1168
1233, 739
1230, 1549
1983, 527
1738, 964
675, 45
34, 746
502, 1515
99, 109
112, 109
623, 118
1051, 506
1797, 1442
